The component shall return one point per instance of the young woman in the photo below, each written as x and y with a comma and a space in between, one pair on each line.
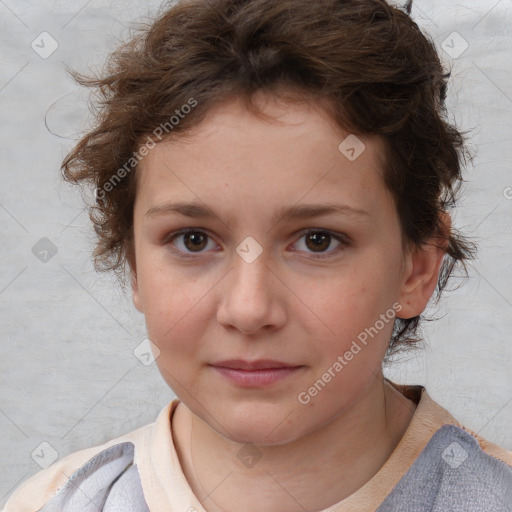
275, 177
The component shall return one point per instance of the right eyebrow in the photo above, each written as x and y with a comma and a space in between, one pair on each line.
194, 209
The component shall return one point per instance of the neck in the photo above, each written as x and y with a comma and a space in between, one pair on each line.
312, 473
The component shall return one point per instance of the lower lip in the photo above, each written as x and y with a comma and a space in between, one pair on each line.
255, 378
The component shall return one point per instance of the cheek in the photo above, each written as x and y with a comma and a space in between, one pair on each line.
353, 301
176, 319
357, 307
168, 299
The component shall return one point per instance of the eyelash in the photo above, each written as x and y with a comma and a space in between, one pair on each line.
342, 239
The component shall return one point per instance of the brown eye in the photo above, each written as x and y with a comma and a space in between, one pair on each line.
318, 241
195, 240
189, 241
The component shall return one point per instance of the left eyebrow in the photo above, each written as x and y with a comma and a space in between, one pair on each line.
306, 211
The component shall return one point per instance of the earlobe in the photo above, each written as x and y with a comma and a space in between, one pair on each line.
421, 272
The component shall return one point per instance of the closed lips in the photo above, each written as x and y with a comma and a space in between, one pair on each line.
253, 365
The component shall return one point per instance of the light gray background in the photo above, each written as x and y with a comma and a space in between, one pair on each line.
68, 374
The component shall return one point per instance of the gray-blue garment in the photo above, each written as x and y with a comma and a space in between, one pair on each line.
452, 474
109, 482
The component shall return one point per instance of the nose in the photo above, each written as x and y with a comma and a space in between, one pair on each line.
252, 297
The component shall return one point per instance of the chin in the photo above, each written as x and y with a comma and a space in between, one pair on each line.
262, 426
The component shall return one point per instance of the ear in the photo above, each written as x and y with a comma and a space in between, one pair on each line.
135, 290
421, 271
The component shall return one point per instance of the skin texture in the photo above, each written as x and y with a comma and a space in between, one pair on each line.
288, 304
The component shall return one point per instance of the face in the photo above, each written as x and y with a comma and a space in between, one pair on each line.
263, 256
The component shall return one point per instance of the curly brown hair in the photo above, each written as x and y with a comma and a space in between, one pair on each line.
370, 60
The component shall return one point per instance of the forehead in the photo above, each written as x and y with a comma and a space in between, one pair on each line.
299, 155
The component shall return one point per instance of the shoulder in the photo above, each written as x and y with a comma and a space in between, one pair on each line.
449, 467
430, 417
453, 472
107, 460
433, 409
491, 449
